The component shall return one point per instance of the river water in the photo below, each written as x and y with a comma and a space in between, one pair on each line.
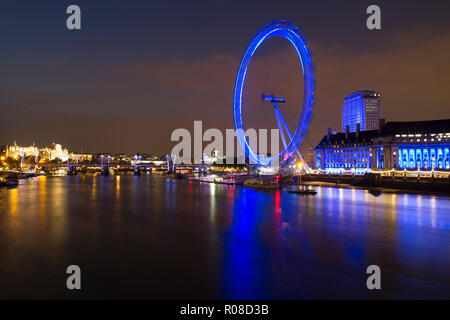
152, 237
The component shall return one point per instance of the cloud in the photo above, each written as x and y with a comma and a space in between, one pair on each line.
141, 103
412, 76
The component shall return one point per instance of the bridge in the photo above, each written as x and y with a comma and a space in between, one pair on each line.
112, 165
74, 168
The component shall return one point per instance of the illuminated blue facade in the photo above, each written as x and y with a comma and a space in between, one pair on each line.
420, 145
424, 157
348, 152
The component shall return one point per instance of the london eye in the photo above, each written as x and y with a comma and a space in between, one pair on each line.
291, 142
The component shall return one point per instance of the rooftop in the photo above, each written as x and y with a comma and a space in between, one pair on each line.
389, 129
405, 127
362, 93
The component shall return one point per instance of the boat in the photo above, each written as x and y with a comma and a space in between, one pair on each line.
375, 193
225, 180
59, 173
8, 182
312, 192
175, 175
303, 191
262, 184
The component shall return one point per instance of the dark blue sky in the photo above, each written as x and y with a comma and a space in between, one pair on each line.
139, 69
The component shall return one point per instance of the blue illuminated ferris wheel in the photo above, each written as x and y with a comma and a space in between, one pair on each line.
290, 32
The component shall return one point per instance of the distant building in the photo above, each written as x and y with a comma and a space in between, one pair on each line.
81, 157
3, 151
212, 158
15, 151
414, 145
56, 152
363, 108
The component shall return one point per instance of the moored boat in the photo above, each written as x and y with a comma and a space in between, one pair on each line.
312, 192
4, 182
175, 175
262, 184
303, 190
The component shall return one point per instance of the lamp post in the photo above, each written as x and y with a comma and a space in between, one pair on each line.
137, 169
105, 169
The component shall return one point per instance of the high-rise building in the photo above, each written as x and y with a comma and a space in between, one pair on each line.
363, 108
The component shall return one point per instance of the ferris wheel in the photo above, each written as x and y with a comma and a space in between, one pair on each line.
291, 143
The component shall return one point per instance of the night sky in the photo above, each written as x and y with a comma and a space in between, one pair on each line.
140, 69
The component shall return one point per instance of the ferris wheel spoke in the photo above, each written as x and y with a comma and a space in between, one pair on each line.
284, 112
283, 121
280, 126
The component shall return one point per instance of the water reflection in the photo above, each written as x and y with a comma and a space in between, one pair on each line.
194, 240
14, 201
42, 200
245, 264
212, 202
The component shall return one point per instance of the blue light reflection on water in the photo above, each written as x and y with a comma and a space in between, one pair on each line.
347, 228
245, 259
191, 240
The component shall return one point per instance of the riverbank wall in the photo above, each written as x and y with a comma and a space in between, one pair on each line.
372, 180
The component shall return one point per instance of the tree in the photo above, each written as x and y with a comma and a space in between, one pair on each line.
11, 163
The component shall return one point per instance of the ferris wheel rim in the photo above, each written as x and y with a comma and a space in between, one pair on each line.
293, 34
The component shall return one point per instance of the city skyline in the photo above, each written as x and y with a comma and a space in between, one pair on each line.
80, 89
231, 158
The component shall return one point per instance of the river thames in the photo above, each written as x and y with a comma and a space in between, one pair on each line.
152, 237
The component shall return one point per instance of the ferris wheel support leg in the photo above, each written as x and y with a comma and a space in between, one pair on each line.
283, 121
280, 127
